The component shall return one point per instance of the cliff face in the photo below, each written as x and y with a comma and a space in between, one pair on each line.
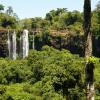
74, 43
3, 43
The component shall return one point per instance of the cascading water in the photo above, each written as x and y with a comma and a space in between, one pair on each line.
33, 41
8, 42
12, 45
24, 44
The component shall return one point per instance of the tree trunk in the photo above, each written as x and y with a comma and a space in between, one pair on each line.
88, 51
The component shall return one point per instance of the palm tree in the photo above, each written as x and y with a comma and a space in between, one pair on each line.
9, 11
88, 51
1, 7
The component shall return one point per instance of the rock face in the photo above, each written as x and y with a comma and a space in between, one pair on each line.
12, 45
24, 44
3, 43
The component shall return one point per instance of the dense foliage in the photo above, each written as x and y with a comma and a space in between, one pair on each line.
49, 74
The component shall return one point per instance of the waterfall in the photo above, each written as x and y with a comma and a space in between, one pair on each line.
33, 41
24, 44
12, 45
8, 42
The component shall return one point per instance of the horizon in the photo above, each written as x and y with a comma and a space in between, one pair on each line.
39, 8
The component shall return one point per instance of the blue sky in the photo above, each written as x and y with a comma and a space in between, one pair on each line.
38, 8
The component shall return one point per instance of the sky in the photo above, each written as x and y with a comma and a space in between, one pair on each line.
39, 8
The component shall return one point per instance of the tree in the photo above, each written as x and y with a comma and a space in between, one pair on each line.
26, 23
59, 11
88, 51
16, 16
1, 7
9, 22
36, 22
10, 11
98, 11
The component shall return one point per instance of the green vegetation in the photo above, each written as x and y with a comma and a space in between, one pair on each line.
49, 72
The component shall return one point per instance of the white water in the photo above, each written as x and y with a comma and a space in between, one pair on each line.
12, 45
8, 42
24, 44
33, 41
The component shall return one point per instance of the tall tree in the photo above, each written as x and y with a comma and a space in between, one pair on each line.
88, 51
10, 11
1, 7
